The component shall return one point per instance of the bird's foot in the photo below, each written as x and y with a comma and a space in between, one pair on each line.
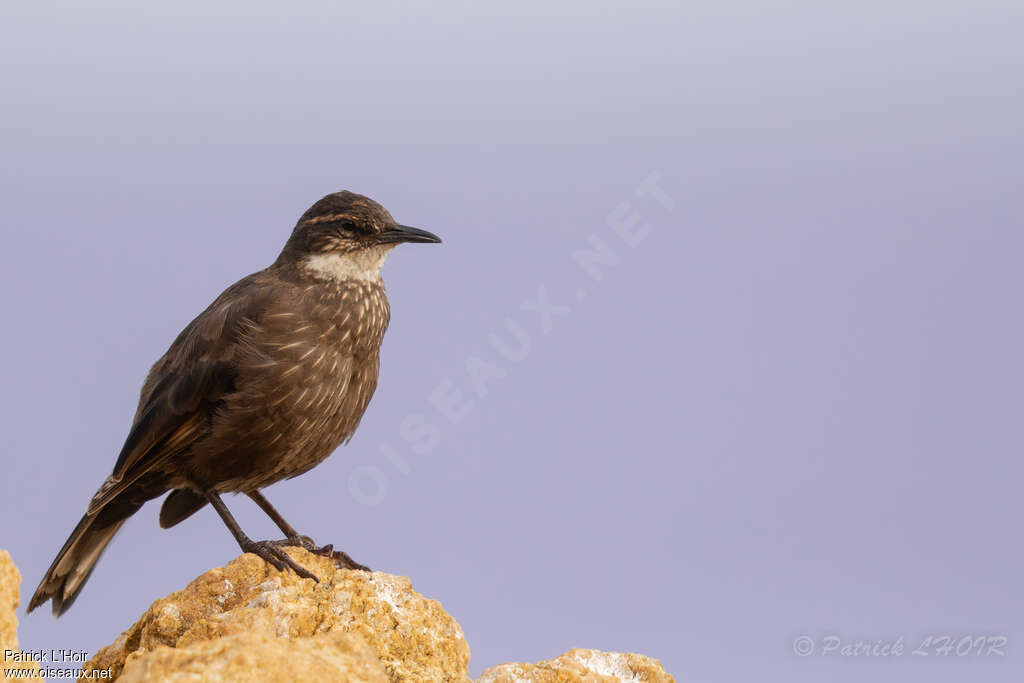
271, 553
297, 542
341, 559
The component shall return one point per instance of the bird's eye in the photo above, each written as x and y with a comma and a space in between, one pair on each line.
346, 227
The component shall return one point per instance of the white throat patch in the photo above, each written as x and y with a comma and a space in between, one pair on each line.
363, 264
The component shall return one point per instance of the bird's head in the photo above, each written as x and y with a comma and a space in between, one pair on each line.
347, 236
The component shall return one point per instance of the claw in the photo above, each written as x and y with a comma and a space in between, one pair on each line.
296, 542
271, 553
341, 559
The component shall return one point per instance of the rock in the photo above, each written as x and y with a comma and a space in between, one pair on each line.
585, 666
10, 580
333, 656
248, 620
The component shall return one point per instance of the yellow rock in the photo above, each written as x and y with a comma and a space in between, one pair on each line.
585, 666
248, 621
10, 580
333, 657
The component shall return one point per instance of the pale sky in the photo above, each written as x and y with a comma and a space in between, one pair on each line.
784, 403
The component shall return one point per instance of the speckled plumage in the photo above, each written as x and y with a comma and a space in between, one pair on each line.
263, 385
304, 359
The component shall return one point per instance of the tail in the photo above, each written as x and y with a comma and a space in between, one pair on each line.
75, 561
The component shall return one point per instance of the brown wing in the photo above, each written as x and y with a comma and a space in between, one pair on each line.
185, 386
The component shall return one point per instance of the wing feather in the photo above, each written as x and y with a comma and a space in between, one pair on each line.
185, 386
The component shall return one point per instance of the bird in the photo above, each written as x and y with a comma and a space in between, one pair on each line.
261, 386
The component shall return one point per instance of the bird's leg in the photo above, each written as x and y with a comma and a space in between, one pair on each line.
287, 529
267, 550
294, 538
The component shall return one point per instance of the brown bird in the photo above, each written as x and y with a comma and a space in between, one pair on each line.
262, 386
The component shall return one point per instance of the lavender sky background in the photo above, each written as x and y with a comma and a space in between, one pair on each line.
789, 405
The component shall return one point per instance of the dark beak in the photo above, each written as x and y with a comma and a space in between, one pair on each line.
403, 233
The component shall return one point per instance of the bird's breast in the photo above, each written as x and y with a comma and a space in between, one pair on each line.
306, 379
319, 358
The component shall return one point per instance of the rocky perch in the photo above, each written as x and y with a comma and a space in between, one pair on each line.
249, 622
9, 581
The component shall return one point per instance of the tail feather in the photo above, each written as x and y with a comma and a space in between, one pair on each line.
74, 563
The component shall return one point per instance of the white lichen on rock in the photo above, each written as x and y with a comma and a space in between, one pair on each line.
581, 666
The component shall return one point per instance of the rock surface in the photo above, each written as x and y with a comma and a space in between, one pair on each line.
249, 617
10, 580
249, 622
332, 656
585, 666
